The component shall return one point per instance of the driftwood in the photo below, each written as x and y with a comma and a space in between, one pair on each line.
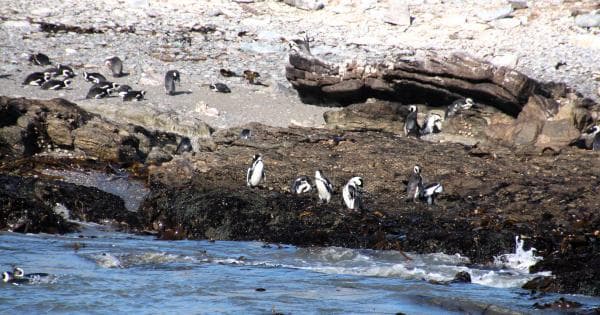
431, 79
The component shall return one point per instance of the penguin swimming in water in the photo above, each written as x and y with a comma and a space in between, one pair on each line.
185, 145
171, 77
56, 84
93, 77
132, 95
115, 65
411, 125
458, 106
433, 124
430, 191
324, 187
301, 185
19, 273
352, 193
39, 59
37, 78
9, 277
256, 173
415, 184
220, 87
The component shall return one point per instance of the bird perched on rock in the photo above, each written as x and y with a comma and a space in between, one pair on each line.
132, 95
115, 65
433, 124
93, 77
588, 139
56, 84
458, 106
411, 125
220, 87
430, 191
256, 173
39, 59
414, 186
324, 187
352, 193
171, 77
37, 78
301, 185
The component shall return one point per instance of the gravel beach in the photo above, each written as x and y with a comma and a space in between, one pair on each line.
198, 38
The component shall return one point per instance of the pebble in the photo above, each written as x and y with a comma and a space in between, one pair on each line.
588, 20
494, 14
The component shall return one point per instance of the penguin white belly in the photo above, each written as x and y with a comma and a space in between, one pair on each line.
256, 175
323, 193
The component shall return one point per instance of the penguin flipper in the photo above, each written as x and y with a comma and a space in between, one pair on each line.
248, 174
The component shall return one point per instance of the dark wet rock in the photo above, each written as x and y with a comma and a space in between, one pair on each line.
29, 205
560, 304
462, 277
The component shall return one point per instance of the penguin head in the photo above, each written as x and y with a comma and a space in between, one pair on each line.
593, 130
7, 276
115, 85
176, 76
47, 76
18, 272
318, 174
142, 93
358, 181
256, 157
412, 108
468, 102
417, 169
85, 75
67, 82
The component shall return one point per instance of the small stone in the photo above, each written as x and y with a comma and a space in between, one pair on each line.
398, 14
306, 4
494, 14
588, 20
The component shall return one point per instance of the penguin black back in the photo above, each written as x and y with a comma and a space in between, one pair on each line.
171, 77
115, 65
411, 125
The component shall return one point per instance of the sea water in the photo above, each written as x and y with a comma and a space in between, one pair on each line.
99, 271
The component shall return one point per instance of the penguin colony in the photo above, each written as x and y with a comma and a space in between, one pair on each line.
18, 276
61, 77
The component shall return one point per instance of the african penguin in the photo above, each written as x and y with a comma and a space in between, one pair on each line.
185, 145
39, 59
9, 277
115, 65
324, 187
18, 273
256, 173
97, 92
457, 106
220, 87
37, 78
245, 134
433, 124
132, 95
93, 77
352, 193
596, 143
430, 191
587, 138
301, 185
123, 88
415, 184
171, 77
61, 69
411, 126
56, 84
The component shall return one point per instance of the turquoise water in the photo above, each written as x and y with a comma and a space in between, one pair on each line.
119, 273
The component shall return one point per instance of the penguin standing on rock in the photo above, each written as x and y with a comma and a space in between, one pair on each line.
411, 125
256, 173
301, 185
458, 106
352, 193
324, 187
414, 187
433, 124
171, 77
115, 65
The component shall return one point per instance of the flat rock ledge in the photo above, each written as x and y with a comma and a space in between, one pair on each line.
491, 194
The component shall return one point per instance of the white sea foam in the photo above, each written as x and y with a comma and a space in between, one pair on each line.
521, 260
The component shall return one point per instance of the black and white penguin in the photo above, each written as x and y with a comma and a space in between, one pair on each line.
415, 184
430, 191
245, 134
301, 185
123, 88
352, 193
596, 141
324, 187
220, 87
228, 73
587, 138
132, 95
9, 277
56, 84
115, 65
458, 106
93, 77
39, 59
256, 173
171, 77
19, 273
433, 124
185, 145
97, 92
107, 85
411, 125
61, 69
37, 78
